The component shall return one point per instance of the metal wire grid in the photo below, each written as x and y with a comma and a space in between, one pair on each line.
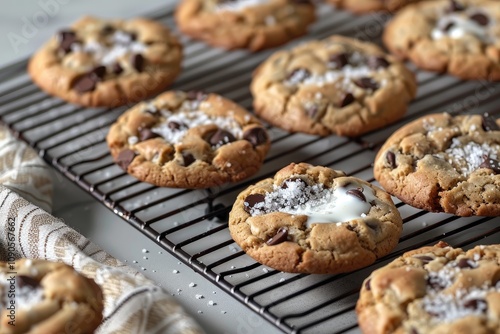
191, 223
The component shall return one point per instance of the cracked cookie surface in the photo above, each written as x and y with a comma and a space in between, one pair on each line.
338, 85
250, 24
312, 219
365, 6
188, 140
48, 297
434, 289
100, 62
442, 163
459, 37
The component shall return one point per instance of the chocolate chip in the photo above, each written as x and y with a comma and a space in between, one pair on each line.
125, 158
99, 72
256, 136
413, 330
298, 75
455, 6
347, 99
368, 286
66, 39
146, 133
116, 68
476, 304
358, 192
280, 236
391, 159
172, 125
27, 281
221, 137
376, 62
195, 95
302, 2
132, 36
448, 27
490, 163
366, 83
298, 180
480, 19
85, 83
338, 60
108, 29
424, 258
253, 200
464, 263
137, 61
88, 81
489, 123
188, 158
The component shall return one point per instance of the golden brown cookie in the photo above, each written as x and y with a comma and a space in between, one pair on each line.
434, 290
313, 219
365, 6
460, 37
108, 63
338, 85
42, 297
442, 163
188, 140
250, 24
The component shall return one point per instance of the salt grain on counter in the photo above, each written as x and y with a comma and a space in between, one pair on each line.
175, 271
192, 285
199, 296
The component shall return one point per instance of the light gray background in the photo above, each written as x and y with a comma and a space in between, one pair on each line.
24, 26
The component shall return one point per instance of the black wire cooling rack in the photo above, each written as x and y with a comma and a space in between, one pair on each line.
191, 224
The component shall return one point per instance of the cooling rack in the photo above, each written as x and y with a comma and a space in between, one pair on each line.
191, 224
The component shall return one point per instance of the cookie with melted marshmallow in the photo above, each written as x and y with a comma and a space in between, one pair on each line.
312, 219
47, 297
102, 62
459, 37
444, 163
434, 289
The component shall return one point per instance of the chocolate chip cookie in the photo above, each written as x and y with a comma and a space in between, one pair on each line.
250, 24
460, 37
365, 6
312, 219
436, 289
188, 140
38, 296
442, 163
338, 85
108, 63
